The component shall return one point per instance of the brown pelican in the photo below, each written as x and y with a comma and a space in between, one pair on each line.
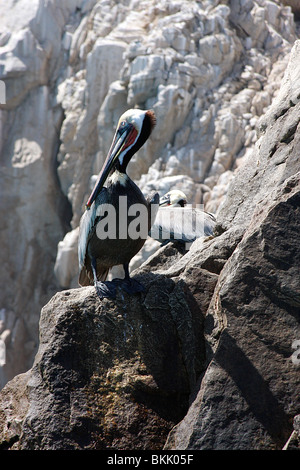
178, 221
104, 238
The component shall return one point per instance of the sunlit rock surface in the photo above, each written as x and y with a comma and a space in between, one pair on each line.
210, 70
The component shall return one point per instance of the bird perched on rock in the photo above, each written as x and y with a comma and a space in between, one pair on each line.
111, 232
178, 221
175, 198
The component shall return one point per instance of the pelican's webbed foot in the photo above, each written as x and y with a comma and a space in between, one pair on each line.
108, 289
105, 289
129, 285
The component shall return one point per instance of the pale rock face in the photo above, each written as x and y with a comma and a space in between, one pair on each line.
209, 70
295, 6
13, 340
66, 263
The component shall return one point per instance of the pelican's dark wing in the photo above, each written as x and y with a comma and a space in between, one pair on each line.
87, 228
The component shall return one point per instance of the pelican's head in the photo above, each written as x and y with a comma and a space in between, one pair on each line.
133, 129
173, 198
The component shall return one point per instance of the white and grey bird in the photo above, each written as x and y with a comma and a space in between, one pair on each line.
178, 221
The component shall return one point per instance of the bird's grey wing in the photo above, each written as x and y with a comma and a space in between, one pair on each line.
209, 223
182, 224
168, 225
197, 223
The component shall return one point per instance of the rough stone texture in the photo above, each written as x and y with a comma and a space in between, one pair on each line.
111, 374
209, 70
245, 388
294, 4
208, 357
250, 391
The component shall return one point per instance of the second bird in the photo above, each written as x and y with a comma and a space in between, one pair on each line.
178, 221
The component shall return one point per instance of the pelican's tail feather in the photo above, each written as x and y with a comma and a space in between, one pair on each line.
86, 276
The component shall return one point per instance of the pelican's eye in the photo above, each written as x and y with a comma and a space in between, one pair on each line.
123, 124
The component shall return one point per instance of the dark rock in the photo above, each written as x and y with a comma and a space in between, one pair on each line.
110, 374
205, 358
250, 391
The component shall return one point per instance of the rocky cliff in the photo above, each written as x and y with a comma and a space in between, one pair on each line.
209, 70
208, 357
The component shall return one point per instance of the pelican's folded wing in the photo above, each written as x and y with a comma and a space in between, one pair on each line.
87, 227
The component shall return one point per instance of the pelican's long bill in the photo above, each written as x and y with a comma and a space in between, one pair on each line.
125, 136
